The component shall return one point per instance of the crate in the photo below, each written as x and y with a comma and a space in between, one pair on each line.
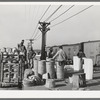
9, 74
78, 80
11, 70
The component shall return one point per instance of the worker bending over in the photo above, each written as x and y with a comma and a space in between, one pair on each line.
30, 79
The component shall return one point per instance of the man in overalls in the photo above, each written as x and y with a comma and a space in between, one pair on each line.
30, 54
22, 58
60, 56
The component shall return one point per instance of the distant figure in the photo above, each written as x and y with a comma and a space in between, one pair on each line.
30, 54
22, 57
43, 57
81, 54
60, 56
16, 55
22, 50
5, 51
4, 55
10, 55
16, 51
10, 51
50, 53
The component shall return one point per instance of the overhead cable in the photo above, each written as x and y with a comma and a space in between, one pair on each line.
39, 20
62, 13
53, 13
45, 12
71, 16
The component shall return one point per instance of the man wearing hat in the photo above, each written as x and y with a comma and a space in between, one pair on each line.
50, 53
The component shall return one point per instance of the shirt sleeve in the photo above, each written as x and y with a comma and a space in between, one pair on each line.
56, 55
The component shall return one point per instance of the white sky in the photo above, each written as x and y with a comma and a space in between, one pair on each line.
18, 22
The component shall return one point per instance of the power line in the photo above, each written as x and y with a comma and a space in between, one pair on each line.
25, 12
36, 24
39, 20
39, 37
29, 10
53, 13
62, 13
45, 12
36, 33
33, 15
34, 30
71, 16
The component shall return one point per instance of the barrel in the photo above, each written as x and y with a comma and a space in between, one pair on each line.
41, 67
76, 63
50, 68
88, 68
36, 67
50, 83
60, 71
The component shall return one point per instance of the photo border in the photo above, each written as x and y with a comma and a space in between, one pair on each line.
75, 98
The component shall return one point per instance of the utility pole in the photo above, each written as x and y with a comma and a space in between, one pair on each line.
44, 29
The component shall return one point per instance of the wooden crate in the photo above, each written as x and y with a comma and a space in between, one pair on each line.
9, 74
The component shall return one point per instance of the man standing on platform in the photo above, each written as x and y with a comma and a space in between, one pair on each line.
30, 54
50, 53
22, 57
81, 54
60, 56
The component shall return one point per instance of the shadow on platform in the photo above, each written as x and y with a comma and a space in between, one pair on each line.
96, 77
94, 84
60, 85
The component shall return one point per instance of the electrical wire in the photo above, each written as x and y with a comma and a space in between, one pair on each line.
36, 24
62, 13
53, 13
45, 12
36, 33
25, 12
38, 37
71, 16
29, 10
33, 13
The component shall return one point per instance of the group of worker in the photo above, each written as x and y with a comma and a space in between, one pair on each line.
61, 56
26, 55
29, 76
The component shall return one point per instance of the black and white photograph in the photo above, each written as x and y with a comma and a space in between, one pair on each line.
50, 47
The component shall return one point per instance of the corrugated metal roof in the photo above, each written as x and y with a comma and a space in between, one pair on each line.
74, 44
92, 41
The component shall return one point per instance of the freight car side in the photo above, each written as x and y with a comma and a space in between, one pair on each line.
92, 49
71, 50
